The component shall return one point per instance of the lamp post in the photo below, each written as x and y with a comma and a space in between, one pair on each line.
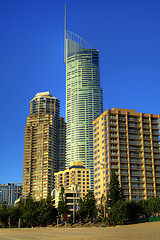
103, 164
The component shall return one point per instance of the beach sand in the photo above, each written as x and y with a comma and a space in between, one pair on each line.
142, 231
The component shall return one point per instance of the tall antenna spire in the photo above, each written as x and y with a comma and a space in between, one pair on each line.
65, 35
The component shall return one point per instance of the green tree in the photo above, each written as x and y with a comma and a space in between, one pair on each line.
62, 205
145, 208
4, 214
46, 212
30, 212
15, 214
87, 206
133, 211
154, 205
124, 212
115, 192
118, 213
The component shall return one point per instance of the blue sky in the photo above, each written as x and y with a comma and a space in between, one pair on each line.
127, 34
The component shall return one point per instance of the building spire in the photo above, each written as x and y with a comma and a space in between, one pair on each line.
65, 35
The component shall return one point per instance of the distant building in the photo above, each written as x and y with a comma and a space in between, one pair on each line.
127, 142
72, 195
77, 174
10, 192
44, 146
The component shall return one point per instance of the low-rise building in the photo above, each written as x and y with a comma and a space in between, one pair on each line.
77, 174
72, 195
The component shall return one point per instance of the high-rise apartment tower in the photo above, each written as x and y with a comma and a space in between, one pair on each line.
129, 143
83, 99
44, 146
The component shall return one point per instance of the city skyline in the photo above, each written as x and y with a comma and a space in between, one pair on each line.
127, 35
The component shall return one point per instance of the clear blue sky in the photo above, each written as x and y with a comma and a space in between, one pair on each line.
127, 33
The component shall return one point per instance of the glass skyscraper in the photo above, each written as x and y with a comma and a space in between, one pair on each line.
83, 99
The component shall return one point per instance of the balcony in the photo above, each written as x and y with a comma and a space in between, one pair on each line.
113, 141
147, 155
113, 117
124, 166
148, 161
122, 118
136, 161
145, 120
148, 167
122, 123
113, 153
122, 142
157, 174
132, 167
112, 123
112, 129
155, 133
113, 135
149, 174
113, 147
137, 186
149, 193
134, 143
122, 135
123, 148
123, 160
155, 138
157, 162
137, 193
149, 180
133, 125
136, 174
132, 136
114, 160
146, 132
156, 145
125, 192
138, 149
134, 119
137, 180
114, 166
145, 125
124, 172
123, 154
150, 187
146, 137
134, 154
132, 130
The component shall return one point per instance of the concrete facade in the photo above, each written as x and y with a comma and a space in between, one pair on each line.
77, 174
44, 146
127, 142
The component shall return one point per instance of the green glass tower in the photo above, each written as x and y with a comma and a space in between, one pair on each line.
83, 99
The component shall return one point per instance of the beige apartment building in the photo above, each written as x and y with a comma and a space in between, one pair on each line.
77, 174
44, 146
127, 142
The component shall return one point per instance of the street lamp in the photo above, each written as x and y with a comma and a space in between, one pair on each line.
103, 164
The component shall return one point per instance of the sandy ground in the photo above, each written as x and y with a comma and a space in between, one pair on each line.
142, 231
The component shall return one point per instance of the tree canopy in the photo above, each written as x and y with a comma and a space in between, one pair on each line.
115, 192
87, 206
62, 205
